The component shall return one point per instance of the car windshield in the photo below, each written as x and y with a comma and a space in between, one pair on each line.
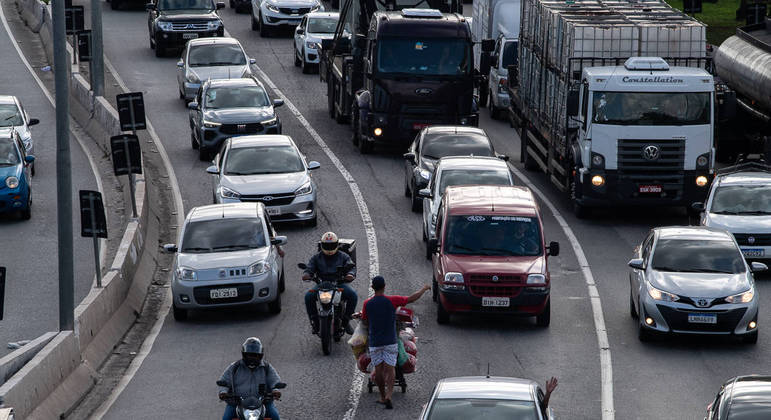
263, 160
322, 25
185, 5
236, 97
216, 55
223, 235
509, 54
424, 57
493, 236
9, 156
10, 115
742, 199
458, 409
450, 177
439, 145
696, 256
651, 108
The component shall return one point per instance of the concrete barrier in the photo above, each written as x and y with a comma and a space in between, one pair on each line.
13, 362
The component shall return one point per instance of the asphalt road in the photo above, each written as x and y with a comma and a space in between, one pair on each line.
28, 249
668, 379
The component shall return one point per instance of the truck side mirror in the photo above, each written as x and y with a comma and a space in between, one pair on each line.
150, 6
572, 103
410, 157
553, 249
425, 193
488, 45
484, 64
433, 245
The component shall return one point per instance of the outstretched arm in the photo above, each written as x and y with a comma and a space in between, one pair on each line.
415, 296
551, 385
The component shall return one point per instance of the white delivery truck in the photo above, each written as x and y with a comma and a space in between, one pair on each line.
614, 103
497, 20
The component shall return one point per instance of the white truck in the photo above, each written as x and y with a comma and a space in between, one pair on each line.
497, 20
614, 103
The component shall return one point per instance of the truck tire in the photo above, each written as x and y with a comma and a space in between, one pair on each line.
579, 210
365, 147
340, 118
330, 95
355, 137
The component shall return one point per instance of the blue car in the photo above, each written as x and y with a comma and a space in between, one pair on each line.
15, 193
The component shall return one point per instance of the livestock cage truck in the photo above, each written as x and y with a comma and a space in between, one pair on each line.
614, 102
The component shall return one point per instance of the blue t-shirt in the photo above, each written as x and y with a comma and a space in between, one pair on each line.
380, 311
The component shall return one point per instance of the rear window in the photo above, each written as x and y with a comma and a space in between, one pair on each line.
692, 256
451, 409
436, 146
493, 236
223, 235
453, 177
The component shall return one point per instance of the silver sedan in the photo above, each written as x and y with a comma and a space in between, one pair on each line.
210, 58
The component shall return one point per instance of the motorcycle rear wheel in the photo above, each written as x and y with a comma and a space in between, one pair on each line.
325, 332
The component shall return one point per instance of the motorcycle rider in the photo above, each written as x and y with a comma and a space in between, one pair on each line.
324, 264
246, 375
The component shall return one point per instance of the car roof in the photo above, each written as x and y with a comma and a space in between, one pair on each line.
453, 129
705, 233
750, 396
476, 199
495, 387
261, 140
237, 82
225, 211
744, 178
7, 99
323, 14
471, 162
213, 40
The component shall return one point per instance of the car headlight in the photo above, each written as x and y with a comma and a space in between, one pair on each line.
536, 279
184, 273
325, 297
453, 278
312, 45
259, 268
213, 25
211, 124
193, 78
742, 297
272, 8
305, 189
271, 121
662, 295
12, 182
226, 192
425, 174
165, 26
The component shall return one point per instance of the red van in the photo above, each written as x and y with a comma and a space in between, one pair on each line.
489, 254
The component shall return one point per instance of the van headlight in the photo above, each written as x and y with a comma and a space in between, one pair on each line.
12, 182
305, 189
184, 273
325, 296
259, 268
742, 297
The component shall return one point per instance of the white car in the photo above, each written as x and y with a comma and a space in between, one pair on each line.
313, 28
13, 115
210, 58
739, 201
269, 15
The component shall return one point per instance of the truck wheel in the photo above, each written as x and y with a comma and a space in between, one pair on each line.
544, 319
530, 163
340, 118
442, 316
355, 137
579, 210
330, 95
483, 96
365, 146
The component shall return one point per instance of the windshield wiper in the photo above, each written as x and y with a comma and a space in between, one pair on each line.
725, 212
674, 270
755, 212
710, 270
230, 247
196, 249
224, 63
431, 157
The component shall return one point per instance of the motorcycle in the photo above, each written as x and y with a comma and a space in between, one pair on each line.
331, 306
252, 407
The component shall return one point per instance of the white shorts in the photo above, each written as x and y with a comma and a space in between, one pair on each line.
384, 354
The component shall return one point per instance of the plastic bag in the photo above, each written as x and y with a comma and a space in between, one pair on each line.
401, 358
407, 334
363, 362
410, 365
410, 347
358, 340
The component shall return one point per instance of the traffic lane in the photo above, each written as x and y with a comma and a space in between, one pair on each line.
290, 344
402, 261
31, 293
644, 372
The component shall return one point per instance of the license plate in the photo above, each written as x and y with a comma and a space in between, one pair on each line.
419, 126
498, 302
702, 318
189, 36
754, 252
223, 293
274, 211
650, 188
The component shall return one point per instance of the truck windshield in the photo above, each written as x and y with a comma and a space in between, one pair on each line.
651, 108
429, 56
509, 54
185, 5
493, 236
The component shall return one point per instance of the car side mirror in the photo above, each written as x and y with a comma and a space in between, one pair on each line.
277, 103
170, 248
698, 206
150, 6
212, 170
326, 44
425, 193
252, 61
553, 249
758, 267
180, 64
29, 158
300, 31
313, 165
504, 158
278, 240
433, 245
33, 121
410, 157
220, 5
302, 266
488, 45
192, 105
636, 263
280, 385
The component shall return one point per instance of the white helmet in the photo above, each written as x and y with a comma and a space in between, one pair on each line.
329, 243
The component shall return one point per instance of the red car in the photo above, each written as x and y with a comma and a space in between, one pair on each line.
490, 254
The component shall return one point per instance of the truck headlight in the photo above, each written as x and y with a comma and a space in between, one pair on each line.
259, 268
378, 131
702, 161
226, 192
211, 124
272, 8
701, 181
184, 273
12, 182
425, 174
325, 296
213, 25
742, 297
165, 26
598, 180
598, 161
662, 295
305, 189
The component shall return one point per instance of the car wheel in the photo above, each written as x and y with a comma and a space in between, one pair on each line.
632, 309
482, 96
179, 314
407, 192
26, 214
544, 318
203, 154
255, 24
365, 146
312, 222
442, 316
275, 306
193, 142
643, 334
434, 290
416, 200
306, 68
751, 338
264, 29
159, 52
152, 44
281, 282
297, 61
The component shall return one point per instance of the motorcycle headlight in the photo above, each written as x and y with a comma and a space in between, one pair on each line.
742, 297
305, 189
12, 182
226, 192
425, 174
325, 297
211, 124
312, 45
184, 273
213, 25
259, 268
164, 26
193, 78
272, 8
661, 295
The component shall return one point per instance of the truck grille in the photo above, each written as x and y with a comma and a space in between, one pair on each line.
270, 199
761, 239
294, 10
665, 167
250, 128
189, 26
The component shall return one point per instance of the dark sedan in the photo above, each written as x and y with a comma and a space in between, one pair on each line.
435, 142
742, 398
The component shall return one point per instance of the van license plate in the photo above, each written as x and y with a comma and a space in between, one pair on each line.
189, 35
497, 302
650, 188
754, 252
274, 211
223, 293
702, 318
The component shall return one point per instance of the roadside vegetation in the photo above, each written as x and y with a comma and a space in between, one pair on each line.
720, 17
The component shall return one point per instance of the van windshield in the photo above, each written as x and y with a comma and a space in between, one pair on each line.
493, 236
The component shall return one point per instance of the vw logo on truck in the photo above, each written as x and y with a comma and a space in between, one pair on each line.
651, 152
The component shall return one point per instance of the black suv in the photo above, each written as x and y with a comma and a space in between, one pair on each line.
172, 23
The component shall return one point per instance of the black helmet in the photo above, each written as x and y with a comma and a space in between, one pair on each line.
251, 352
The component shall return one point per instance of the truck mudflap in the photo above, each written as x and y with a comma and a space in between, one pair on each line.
618, 189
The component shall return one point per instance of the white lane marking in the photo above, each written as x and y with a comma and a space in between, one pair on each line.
606, 367
147, 345
81, 143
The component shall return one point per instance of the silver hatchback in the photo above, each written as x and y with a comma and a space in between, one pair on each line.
227, 256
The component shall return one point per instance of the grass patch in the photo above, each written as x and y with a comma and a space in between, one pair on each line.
720, 18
